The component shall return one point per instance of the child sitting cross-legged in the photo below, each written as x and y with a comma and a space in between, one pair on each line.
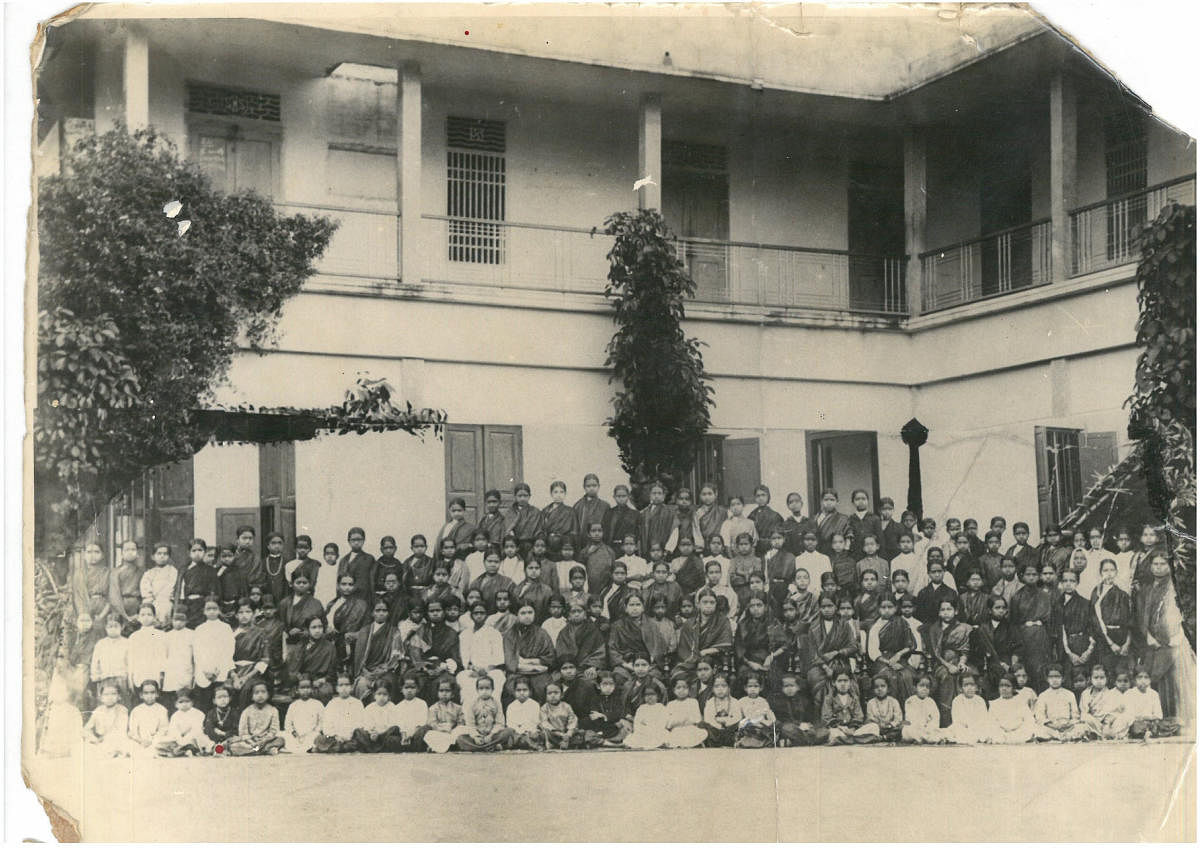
884, 711
649, 724
842, 715
683, 718
922, 719
185, 731
558, 723
303, 720
757, 728
258, 726
341, 717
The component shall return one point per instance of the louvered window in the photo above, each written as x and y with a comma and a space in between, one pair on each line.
231, 102
475, 190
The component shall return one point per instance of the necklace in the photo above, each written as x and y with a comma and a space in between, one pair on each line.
278, 568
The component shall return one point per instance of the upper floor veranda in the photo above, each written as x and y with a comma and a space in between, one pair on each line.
484, 175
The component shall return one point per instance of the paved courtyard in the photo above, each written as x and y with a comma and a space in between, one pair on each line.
1110, 792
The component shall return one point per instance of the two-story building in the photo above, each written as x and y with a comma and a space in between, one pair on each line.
889, 213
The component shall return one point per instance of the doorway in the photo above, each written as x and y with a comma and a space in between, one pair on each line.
695, 199
842, 460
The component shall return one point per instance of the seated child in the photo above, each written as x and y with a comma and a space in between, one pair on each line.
1013, 720
1057, 712
970, 722
148, 720
185, 731
683, 719
378, 731
884, 711
649, 724
1021, 681
722, 714
1143, 710
258, 726
106, 729
303, 720
842, 714
62, 734
485, 734
757, 727
558, 723
1102, 708
178, 671
793, 709
412, 714
606, 721
922, 718
221, 722
445, 722
523, 717
341, 717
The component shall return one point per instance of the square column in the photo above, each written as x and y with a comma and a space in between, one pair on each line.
1062, 172
914, 214
136, 80
408, 171
650, 151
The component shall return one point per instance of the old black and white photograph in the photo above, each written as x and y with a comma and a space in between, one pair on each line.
555, 423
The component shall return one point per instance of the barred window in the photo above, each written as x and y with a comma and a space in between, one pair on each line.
475, 190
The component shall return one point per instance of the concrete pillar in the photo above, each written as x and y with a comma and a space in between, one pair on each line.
650, 152
1062, 172
408, 171
137, 80
914, 214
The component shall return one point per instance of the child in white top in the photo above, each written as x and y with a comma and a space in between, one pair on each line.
1142, 709
1011, 716
147, 721
757, 728
147, 651
637, 569
212, 648
969, 719
110, 659
735, 524
649, 724
185, 731
683, 719
1057, 711
556, 621
108, 725
1021, 681
523, 717
303, 721
179, 670
378, 730
341, 717
716, 553
922, 720
411, 714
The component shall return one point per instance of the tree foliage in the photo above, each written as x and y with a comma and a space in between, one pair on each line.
139, 321
662, 409
1163, 404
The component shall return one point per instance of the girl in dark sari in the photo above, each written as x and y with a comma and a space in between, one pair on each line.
297, 610
91, 591
831, 642
1033, 619
994, 646
889, 643
1112, 621
787, 638
314, 659
710, 515
632, 636
251, 654
760, 639
580, 642
1166, 656
707, 635
528, 653
558, 521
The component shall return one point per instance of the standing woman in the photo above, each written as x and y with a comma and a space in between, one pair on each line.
91, 597
1167, 656
1033, 617
125, 595
458, 529
830, 522
1112, 622
863, 522
707, 636
710, 515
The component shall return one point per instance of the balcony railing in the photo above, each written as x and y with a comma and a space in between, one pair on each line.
363, 250
1104, 234
518, 256
569, 259
989, 266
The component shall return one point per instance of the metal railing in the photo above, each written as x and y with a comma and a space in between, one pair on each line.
988, 266
1104, 234
365, 247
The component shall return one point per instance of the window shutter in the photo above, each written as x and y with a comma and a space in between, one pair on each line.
1045, 508
1097, 456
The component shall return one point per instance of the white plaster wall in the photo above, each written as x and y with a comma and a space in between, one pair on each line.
225, 476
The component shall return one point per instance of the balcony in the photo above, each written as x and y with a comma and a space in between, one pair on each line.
571, 259
986, 267
1104, 234
364, 249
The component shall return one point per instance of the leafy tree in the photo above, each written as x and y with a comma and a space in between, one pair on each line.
663, 407
1163, 404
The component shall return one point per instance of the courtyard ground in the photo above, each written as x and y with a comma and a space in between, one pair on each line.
1120, 792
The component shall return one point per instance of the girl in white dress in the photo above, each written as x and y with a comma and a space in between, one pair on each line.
649, 724
683, 719
970, 722
1013, 720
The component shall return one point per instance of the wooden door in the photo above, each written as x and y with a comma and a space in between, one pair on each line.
464, 466
277, 492
874, 229
742, 469
172, 495
696, 206
502, 461
229, 519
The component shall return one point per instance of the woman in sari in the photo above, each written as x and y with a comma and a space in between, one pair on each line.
1032, 615
1167, 656
633, 635
760, 640
91, 590
1112, 621
313, 659
831, 641
710, 515
581, 642
994, 646
889, 643
528, 653
708, 635
787, 638
251, 654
